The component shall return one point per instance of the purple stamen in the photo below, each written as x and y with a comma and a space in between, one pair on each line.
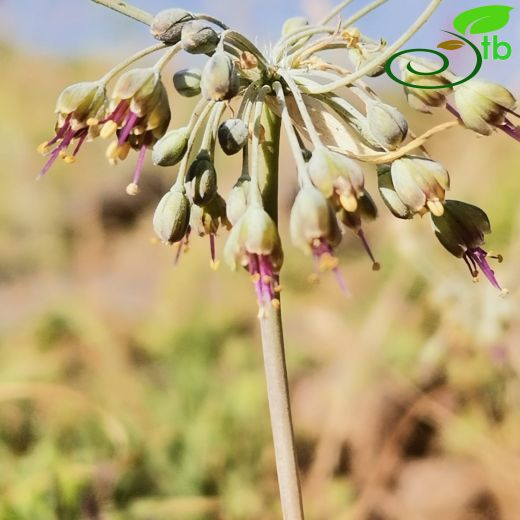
139, 165
375, 265
511, 130
478, 255
212, 247
127, 129
67, 138
118, 114
81, 135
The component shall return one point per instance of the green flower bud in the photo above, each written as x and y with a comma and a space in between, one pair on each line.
293, 24
420, 183
336, 176
167, 25
389, 195
171, 148
232, 136
171, 218
387, 124
219, 78
483, 105
187, 82
313, 220
419, 98
203, 179
237, 200
198, 38
83, 101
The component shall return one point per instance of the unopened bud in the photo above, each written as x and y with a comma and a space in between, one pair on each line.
203, 179
167, 25
171, 148
232, 136
171, 218
483, 105
187, 82
198, 38
387, 124
219, 78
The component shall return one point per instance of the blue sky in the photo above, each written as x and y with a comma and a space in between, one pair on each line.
80, 27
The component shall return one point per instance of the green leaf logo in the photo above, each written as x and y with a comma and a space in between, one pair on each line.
483, 19
451, 45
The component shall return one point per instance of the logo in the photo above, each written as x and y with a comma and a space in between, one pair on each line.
481, 20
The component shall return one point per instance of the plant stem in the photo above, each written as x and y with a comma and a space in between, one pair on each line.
127, 10
280, 411
273, 348
374, 64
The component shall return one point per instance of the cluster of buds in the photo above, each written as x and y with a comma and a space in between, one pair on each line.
288, 83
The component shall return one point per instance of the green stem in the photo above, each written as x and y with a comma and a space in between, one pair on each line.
127, 10
374, 64
112, 73
274, 352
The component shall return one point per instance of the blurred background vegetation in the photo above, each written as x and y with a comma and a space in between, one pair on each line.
133, 389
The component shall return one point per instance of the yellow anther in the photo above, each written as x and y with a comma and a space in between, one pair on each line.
214, 264
69, 159
328, 262
112, 151
504, 292
92, 121
267, 279
132, 189
278, 289
63, 154
349, 202
275, 302
436, 207
255, 278
122, 151
43, 148
108, 130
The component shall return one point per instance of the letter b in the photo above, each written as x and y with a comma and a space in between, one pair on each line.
498, 47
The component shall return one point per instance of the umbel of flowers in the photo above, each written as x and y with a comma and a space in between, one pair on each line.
297, 83
338, 129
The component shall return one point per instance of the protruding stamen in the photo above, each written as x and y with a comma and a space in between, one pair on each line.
376, 266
